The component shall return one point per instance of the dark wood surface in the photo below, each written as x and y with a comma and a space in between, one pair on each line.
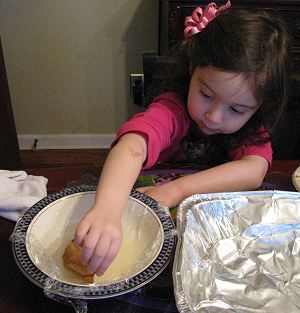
284, 166
63, 157
62, 177
63, 167
19, 295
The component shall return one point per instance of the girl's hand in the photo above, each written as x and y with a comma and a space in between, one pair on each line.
168, 194
100, 236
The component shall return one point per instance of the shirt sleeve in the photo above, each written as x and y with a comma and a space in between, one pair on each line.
264, 150
162, 124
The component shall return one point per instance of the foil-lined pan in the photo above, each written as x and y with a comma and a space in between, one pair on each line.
238, 252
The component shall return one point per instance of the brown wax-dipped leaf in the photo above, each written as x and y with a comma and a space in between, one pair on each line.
72, 260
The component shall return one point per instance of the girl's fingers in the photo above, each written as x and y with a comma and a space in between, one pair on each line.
99, 253
146, 190
110, 256
99, 244
94, 262
86, 254
81, 232
90, 242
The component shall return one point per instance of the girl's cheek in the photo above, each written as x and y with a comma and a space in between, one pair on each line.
193, 110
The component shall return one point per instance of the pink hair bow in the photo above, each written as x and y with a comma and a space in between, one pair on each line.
199, 18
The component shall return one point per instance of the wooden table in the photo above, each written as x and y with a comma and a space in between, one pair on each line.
19, 295
61, 177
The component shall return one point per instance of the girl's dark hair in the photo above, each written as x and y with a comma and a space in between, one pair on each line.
256, 45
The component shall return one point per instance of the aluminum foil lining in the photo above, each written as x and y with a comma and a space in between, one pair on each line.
238, 252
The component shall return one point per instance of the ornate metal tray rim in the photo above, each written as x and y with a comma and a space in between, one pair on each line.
35, 275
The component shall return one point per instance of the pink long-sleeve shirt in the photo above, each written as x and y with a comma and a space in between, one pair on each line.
165, 123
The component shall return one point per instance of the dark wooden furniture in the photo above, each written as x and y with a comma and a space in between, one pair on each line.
174, 12
9, 147
286, 141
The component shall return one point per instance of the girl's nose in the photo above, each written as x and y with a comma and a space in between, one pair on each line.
214, 114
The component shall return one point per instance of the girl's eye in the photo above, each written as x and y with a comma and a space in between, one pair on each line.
236, 111
205, 95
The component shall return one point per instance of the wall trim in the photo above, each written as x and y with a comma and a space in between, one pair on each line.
65, 141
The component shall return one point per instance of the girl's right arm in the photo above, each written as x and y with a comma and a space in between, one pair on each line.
99, 232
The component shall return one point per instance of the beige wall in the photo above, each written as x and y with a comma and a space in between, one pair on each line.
68, 61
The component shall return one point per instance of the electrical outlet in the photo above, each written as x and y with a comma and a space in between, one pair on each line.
136, 84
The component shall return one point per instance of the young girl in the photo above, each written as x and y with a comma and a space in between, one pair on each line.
221, 108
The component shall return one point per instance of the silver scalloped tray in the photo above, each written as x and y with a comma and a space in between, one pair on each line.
32, 269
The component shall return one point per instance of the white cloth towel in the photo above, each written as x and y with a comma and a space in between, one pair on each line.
19, 191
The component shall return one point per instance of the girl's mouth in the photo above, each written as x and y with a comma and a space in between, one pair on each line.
207, 130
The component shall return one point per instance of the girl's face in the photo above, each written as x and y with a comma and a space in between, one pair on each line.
220, 102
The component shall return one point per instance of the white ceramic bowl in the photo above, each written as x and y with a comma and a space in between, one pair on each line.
296, 178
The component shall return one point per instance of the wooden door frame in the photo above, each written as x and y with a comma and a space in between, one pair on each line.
9, 146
